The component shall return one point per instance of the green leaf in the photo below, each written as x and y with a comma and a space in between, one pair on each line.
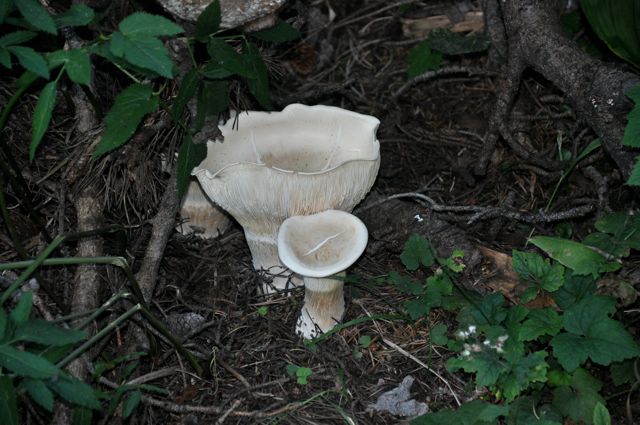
579, 400
212, 99
526, 411
632, 130
131, 403
31, 60
3, 323
42, 116
417, 251
303, 374
82, 416
438, 334
187, 90
75, 391
529, 294
78, 66
5, 8
531, 267
226, 57
5, 58
8, 404
451, 43
417, 308
144, 51
208, 21
36, 15
17, 37
589, 311
279, 33
575, 289
574, 255
20, 314
488, 311
76, 16
623, 372
38, 392
601, 415
422, 59
26, 364
189, 155
476, 412
522, 372
634, 177
43, 332
623, 226
364, 341
405, 284
540, 322
214, 71
145, 24
259, 81
131, 105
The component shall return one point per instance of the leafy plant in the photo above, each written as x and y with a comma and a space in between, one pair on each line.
301, 373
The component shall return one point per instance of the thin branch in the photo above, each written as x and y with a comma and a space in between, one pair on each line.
441, 72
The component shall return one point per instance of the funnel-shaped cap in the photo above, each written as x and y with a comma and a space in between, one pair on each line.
321, 244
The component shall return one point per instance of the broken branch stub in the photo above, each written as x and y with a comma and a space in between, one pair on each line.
234, 13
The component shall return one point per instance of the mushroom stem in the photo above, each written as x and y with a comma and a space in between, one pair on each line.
323, 305
264, 255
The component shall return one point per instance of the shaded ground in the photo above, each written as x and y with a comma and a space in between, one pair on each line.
430, 138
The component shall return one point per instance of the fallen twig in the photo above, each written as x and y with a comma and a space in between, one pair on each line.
444, 71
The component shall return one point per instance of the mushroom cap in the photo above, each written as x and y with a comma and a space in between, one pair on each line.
300, 161
322, 244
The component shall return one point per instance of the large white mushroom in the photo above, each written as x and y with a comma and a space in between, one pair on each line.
200, 216
303, 160
320, 247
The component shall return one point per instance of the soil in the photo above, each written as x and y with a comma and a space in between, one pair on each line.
207, 289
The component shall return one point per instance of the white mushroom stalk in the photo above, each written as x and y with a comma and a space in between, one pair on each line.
320, 247
300, 161
200, 216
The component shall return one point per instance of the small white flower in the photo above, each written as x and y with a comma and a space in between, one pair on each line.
503, 338
486, 342
472, 329
466, 353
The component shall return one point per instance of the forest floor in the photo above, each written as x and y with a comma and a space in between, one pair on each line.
430, 137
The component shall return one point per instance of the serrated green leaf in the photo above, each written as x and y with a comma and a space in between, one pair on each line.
279, 33
417, 251
76, 16
42, 116
532, 268
143, 51
578, 400
527, 411
259, 81
540, 322
452, 43
5, 58
75, 391
78, 66
574, 255
584, 314
8, 404
303, 374
214, 71
17, 37
225, 56
417, 308
634, 177
146, 24
438, 334
489, 310
20, 314
208, 21
43, 332
36, 15
529, 294
131, 403
623, 226
522, 372
422, 59
82, 416
189, 155
131, 105
631, 135
404, 284
364, 341
5, 7
30, 60
26, 364
575, 289
38, 392
188, 88
291, 369
475, 412
601, 415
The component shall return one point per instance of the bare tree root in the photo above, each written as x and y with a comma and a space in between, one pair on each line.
594, 89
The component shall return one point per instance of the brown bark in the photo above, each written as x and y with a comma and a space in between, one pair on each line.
593, 88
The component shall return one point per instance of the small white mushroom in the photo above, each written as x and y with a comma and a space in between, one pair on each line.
320, 247
201, 216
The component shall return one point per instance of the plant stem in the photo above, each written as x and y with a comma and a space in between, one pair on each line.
103, 307
114, 261
107, 329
